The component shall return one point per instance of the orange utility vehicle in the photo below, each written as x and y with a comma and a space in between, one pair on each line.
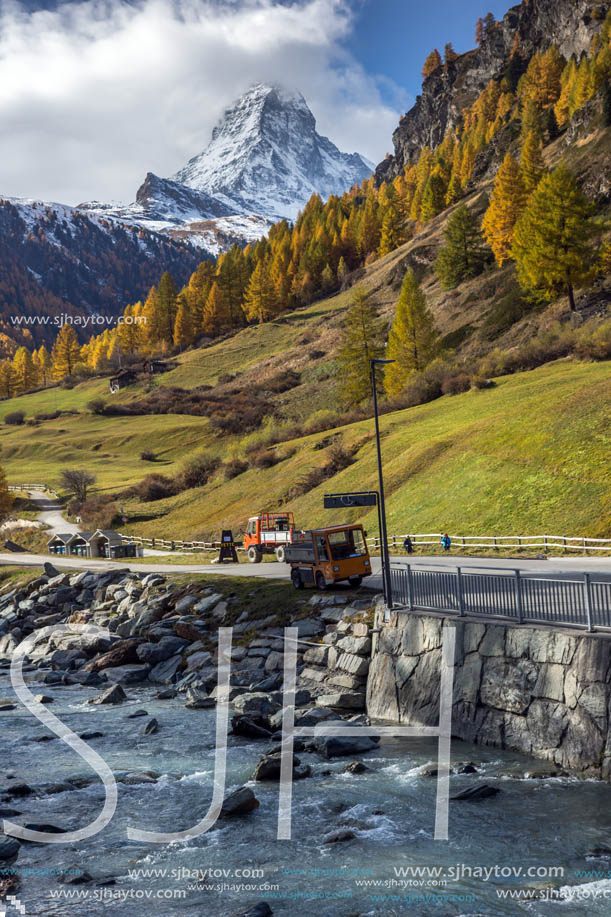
325, 556
268, 533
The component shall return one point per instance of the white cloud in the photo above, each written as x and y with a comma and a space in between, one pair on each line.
94, 94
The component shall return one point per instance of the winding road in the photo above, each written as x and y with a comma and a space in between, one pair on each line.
51, 515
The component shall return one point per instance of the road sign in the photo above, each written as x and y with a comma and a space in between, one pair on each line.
341, 501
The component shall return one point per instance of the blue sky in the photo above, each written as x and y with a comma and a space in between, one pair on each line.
392, 37
96, 93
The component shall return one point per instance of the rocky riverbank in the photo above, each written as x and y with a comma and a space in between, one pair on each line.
164, 636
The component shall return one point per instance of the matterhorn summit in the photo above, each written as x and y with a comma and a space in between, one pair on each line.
263, 163
266, 156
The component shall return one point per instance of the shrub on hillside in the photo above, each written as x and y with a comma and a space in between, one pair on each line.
454, 385
198, 471
594, 343
265, 458
338, 458
154, 487
97, 406
147, 455
481, 383
234, 468
15, 418
100, 512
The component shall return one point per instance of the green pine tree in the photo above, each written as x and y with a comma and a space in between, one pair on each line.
413, 340
361, 342
553, 243
463, 256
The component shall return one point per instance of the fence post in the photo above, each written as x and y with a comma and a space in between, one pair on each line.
410, 587
518, 592
545, 543
588, 599
461, 602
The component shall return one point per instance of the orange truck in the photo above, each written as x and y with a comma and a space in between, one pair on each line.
329, 555
268, 533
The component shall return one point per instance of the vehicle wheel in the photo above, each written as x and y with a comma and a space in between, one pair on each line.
296, 578
320, 582
280, 554
355, 580
254, 555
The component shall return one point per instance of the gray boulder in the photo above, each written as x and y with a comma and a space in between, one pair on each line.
346, 700
257, 703
127, 674
113, 695
186, 603
240, 802
208, 602
474, 793
338, 746
164, 672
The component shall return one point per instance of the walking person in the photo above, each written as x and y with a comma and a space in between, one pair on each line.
446, 542
407, 545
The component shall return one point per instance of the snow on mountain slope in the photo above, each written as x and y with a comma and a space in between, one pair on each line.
263, 163
266, 157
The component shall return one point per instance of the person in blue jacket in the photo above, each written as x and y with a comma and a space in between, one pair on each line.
446, 542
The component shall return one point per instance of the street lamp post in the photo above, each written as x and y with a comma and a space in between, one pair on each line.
383, 535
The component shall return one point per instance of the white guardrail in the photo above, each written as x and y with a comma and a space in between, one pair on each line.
395, 542
564, 542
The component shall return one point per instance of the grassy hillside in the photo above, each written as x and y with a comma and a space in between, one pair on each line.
530, 454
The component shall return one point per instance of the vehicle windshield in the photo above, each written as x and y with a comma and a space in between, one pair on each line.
349, 543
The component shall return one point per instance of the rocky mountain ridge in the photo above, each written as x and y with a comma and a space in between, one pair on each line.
568, 24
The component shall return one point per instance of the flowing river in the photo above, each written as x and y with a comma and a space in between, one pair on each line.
531, 823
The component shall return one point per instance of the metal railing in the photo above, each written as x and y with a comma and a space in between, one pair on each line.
563, 542
576, 599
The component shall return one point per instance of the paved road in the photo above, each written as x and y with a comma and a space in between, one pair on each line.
51, 514
558, 566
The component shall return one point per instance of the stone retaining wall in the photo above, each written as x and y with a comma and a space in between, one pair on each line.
540, 691
338, 668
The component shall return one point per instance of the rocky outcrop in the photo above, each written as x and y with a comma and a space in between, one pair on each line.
337, 669
569, 24
540, 691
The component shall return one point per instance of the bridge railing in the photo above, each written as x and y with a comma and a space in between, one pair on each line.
578, 600
547, 542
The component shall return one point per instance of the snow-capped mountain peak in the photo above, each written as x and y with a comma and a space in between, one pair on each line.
263, 163
266, 157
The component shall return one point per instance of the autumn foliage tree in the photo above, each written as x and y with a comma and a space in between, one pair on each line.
532, 165
432, 63
507, 202
66, 352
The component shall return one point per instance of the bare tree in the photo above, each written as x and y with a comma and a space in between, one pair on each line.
77, 482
